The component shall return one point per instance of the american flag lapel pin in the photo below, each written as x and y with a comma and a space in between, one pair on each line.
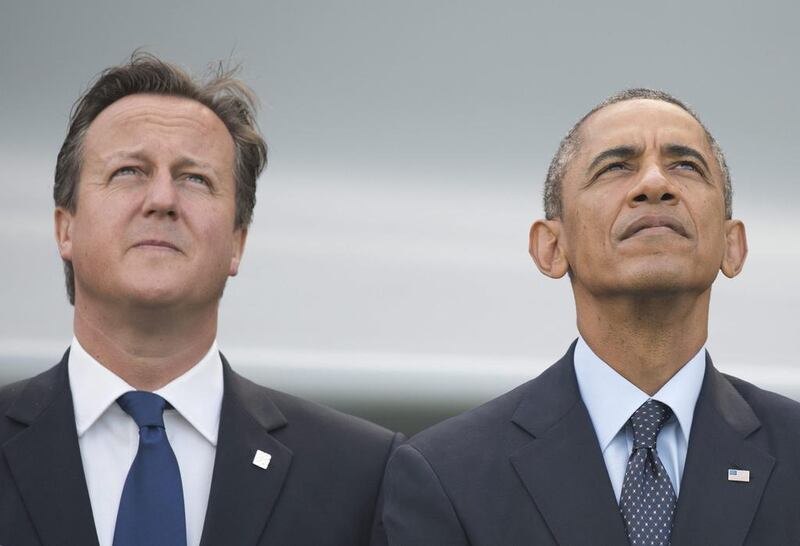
738, 475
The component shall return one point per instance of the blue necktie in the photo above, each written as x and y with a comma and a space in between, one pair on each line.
648, 501
151, 508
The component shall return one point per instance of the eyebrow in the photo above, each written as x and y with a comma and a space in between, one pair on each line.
627, 152
620, 152
185, 161
679, 150
181, 163
123, 155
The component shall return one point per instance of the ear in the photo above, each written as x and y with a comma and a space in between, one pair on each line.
63, 227
735, 248
239, 238
546, 249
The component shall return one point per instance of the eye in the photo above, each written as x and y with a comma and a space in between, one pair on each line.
125, 171
197, 179
616, 166
687, 165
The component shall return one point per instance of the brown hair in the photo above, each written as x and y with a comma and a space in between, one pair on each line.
569, 145
222, 93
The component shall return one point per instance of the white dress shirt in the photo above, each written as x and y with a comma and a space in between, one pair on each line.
109, 438
611, 400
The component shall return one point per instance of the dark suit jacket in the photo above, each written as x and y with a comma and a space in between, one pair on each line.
321, 486
526, 469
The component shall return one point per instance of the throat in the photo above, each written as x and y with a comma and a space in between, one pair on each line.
647, 342
145, 358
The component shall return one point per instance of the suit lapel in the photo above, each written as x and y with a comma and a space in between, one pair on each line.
45, 461
562, 466
243, 495
711, 509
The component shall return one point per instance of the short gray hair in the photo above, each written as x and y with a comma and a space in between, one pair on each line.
225, 95
568, 148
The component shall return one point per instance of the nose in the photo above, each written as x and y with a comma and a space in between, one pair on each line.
161, 197
654, 187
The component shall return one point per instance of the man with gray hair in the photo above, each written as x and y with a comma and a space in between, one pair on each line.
143, 434
633, 437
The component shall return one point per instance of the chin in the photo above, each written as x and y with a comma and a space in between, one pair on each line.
155, 290
181, 293
154, 298
662, 281
656, 284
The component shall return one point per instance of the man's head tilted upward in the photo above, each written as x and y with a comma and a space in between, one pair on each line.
224, 102
638, 201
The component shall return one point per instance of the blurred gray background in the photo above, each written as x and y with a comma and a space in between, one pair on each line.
387, 271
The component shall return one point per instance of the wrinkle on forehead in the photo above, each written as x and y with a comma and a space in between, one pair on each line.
642, 123
132, 115
160, 110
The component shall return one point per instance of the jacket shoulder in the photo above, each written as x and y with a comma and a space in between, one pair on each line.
311, 419
487, 424
507, 421
9, 393
771, 408
315, 415
22, 401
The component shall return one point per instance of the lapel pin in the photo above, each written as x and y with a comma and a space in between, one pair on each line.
736, 475
261, 460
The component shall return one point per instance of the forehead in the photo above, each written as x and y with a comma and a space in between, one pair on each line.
641, 123
146, 122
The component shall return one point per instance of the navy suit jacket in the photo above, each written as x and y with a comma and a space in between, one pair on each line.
321, 487
526, 469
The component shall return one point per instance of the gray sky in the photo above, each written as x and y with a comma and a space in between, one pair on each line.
408, 142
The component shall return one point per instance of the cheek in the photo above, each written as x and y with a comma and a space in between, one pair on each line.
218, 240
709, 219
95, 232
714, 243
587, 230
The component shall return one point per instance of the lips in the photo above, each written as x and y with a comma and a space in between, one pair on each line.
646, 222
157, 243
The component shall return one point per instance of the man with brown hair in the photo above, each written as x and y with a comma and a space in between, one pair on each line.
143, 434
633, 437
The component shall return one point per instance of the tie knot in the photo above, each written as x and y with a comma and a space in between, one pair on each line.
647, 422
146, 408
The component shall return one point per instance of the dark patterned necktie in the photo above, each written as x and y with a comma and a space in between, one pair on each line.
151, 509
648, 500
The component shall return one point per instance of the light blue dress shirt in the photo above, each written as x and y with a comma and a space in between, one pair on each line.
611, 400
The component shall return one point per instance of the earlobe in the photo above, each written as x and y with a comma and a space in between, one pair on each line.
63, 229
546, 250
735, 248
239, 236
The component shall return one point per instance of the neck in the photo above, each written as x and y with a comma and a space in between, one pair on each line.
646, 339
147, 348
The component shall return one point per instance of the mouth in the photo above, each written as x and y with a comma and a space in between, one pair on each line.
654, 225
156, 244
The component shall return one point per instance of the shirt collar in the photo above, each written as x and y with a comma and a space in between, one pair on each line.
196, 395
611, 399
